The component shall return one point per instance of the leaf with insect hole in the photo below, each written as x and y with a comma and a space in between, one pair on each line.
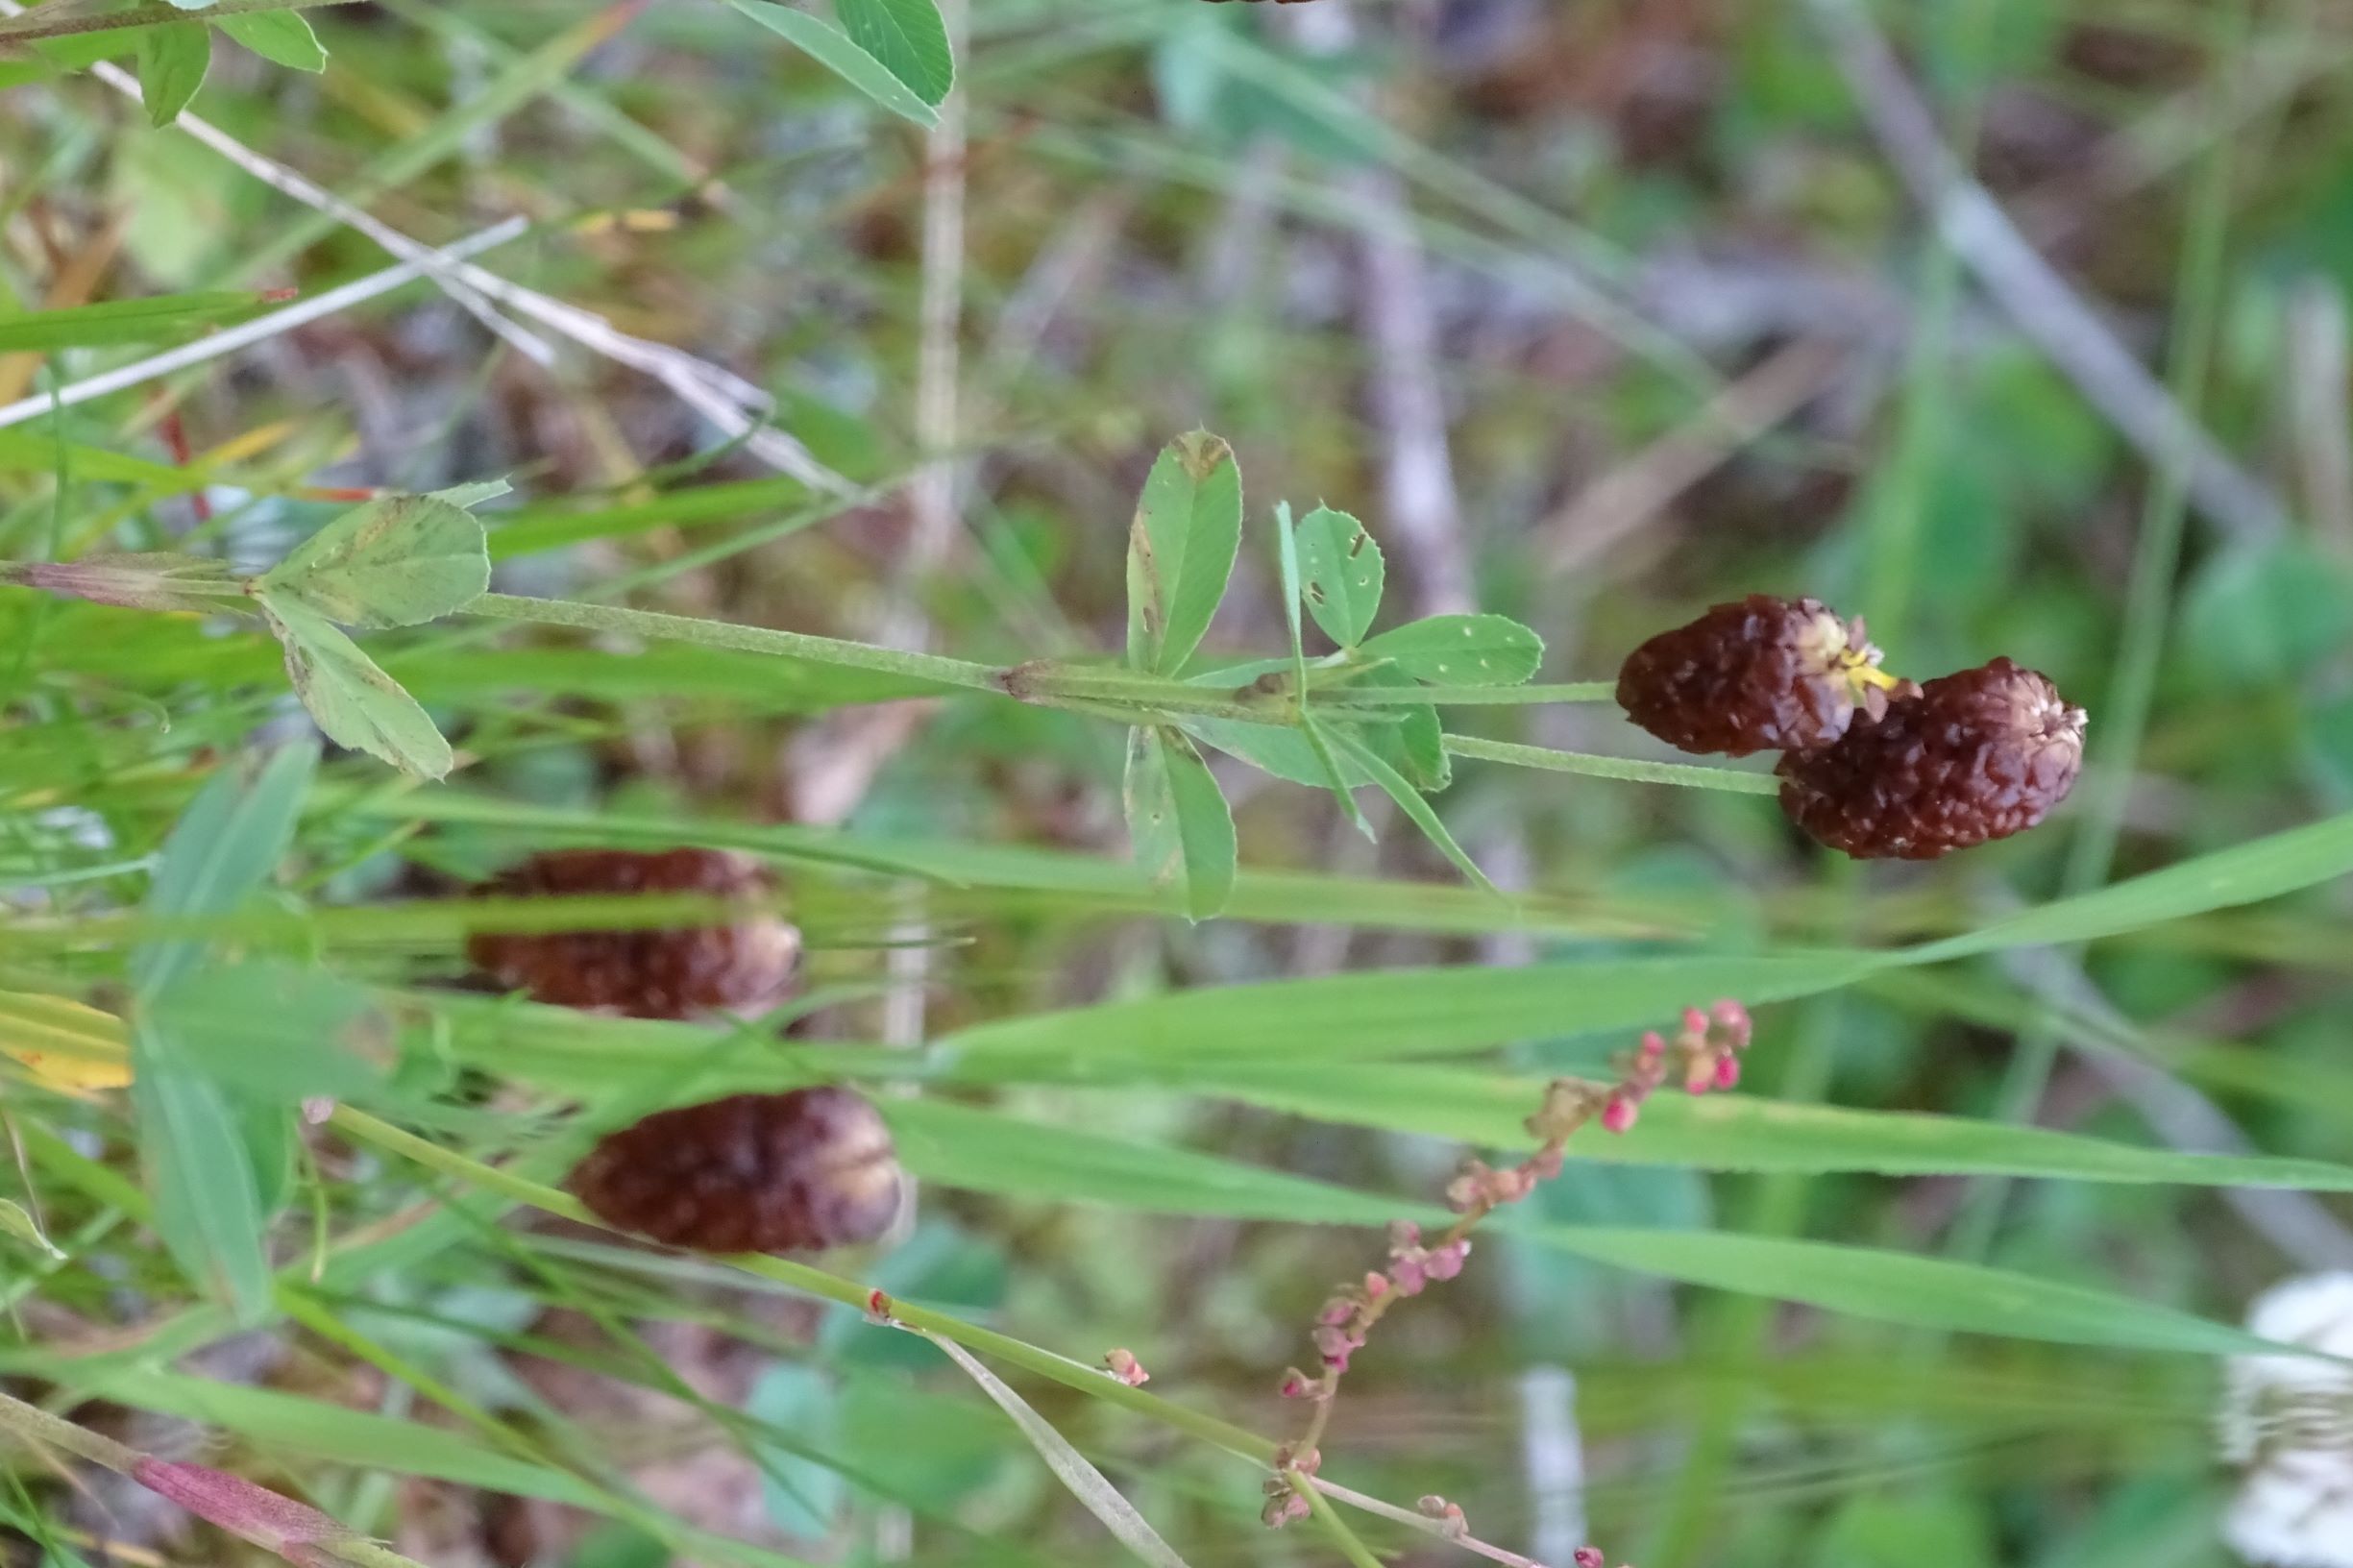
353, 701
1462, 651
1343, 574
395, 562
1415, 743
1204, 823
1150, 805
1178, 819
1181, 548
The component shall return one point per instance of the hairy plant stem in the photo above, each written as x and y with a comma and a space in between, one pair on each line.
1130, 695
931, 667
35, 1425
1117, 695
1624, 768
1474, 696
38, 24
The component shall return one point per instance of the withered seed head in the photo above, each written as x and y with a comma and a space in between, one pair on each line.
1974, 756
796, 1172
742, 966
1758, 675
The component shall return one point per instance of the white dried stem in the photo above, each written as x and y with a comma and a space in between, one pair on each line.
230, 339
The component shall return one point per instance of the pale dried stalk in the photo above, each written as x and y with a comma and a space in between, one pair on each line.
1629, 496
2046, 309
732, 405
230, 339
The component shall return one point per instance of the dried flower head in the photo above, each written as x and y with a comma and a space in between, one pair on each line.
792, 1172
1759, 675
1976, 756
742, 966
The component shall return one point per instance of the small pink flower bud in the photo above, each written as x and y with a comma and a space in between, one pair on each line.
1478, 1185
1545, 1163
1339, 1309
1618, 1114
1727, 1072
1588, 1556
1295, 1384
1653, 1043
1404, 1233
1408, 1275
1127, 1368
1307, 1463
1448, 1514
1376, 1285
1287, 1510
1446, 1261
1567, 1103
1734, 1021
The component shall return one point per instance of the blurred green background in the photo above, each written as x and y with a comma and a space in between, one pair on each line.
2016, 327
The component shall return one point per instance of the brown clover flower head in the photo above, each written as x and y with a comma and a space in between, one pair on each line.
1974, 757
743, 965
1758, 675
796, 1172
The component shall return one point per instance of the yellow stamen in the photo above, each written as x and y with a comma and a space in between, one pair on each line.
1871, 675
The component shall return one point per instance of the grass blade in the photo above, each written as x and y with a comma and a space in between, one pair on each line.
207, 1203
1087, 1483
1899, 1287
162, 318
223, 848
1742, 1132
